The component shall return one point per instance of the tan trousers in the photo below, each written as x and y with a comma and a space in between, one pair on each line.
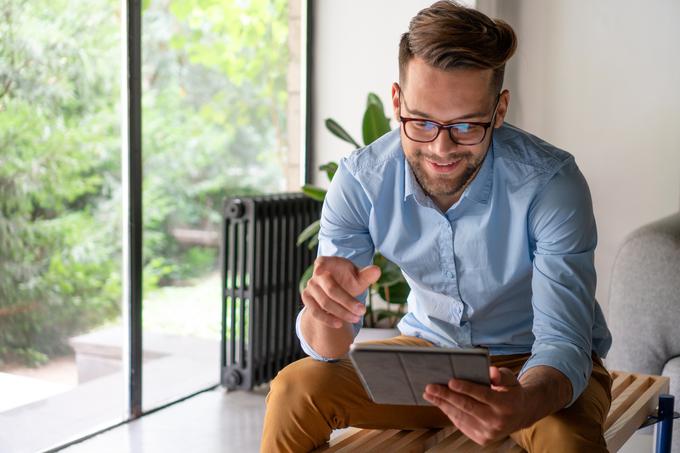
309, 399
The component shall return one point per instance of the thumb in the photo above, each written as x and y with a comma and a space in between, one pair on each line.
502, 377
367, 276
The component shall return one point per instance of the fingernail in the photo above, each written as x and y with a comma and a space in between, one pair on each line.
355, 318
359, 309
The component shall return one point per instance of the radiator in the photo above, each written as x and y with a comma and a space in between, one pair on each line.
261, 268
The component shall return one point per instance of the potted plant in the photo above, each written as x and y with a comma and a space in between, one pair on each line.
386, 297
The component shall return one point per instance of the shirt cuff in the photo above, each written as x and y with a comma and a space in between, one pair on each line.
569, 359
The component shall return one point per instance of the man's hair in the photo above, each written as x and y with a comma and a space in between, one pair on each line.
450, 36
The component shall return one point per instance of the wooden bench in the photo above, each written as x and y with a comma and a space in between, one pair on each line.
634, 399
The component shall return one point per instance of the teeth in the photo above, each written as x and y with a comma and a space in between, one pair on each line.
447, 164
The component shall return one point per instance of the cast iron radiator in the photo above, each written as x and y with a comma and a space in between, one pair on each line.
261, 268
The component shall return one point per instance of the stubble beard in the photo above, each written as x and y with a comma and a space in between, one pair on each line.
444, 185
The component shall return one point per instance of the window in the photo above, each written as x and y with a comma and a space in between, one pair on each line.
220, 97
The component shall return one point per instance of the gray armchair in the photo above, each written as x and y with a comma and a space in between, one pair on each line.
644, 305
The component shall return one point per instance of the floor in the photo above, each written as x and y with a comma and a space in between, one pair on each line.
213, 421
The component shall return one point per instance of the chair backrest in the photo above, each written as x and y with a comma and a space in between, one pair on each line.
644, 300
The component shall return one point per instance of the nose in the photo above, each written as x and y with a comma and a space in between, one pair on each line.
443, 145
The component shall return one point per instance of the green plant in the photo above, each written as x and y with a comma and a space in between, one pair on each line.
391, 286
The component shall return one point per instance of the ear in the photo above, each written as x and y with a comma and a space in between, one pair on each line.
395, 100
503, 103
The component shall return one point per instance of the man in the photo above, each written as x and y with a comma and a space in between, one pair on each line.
494, 231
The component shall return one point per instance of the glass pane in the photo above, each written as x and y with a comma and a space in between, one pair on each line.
60, 221
214, 117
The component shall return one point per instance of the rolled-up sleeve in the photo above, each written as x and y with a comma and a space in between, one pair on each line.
563, 231
344, 233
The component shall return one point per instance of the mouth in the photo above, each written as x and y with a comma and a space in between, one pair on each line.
445, 167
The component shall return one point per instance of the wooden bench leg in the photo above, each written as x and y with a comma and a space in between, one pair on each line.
664, 429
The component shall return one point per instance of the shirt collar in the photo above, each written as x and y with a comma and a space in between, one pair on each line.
478, 190
412, 187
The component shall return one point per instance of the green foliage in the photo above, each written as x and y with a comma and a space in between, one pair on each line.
330, 168
214, 117
340, 132
374, 124
59, 266
391, 286
313, 192
309, 232
214, 112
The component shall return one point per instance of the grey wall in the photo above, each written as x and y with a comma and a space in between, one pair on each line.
602, 80
599, 79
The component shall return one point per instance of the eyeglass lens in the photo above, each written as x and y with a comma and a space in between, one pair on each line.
463, 133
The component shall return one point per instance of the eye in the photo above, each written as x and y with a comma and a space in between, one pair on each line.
461, 128
424, 125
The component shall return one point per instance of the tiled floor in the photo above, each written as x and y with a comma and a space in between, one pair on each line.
214, 421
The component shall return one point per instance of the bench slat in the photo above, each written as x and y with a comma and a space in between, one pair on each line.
636, 414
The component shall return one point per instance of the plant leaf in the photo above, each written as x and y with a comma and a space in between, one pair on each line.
374, 99
306, 275
390, 273
395, 294
309, 232
313, 242
339, 132
313, 192
375, 124
330, 168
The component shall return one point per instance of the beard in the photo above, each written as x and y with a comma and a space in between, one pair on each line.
443, 184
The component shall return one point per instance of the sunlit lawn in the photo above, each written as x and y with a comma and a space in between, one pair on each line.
185, 310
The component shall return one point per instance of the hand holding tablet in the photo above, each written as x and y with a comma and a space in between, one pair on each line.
399, 374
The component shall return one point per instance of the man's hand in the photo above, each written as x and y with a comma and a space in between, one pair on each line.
486, 414
330, 293
330, 304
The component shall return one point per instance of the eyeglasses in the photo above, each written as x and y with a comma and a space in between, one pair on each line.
465, 133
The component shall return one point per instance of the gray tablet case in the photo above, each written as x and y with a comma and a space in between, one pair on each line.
399, 374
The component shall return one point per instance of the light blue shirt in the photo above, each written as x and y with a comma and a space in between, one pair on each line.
509, 266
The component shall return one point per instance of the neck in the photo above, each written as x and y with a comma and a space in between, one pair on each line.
444, 202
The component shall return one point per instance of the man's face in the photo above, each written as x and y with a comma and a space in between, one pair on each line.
442, 167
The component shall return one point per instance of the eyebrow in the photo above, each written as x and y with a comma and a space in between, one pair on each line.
426, 116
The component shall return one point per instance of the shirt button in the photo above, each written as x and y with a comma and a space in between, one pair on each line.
449, 274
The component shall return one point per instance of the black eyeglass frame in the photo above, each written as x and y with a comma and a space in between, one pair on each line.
450, 126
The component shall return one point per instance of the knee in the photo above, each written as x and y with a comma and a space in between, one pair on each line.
300, 381
555, 433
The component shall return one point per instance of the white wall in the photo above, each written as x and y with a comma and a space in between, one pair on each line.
599, 79
356, 44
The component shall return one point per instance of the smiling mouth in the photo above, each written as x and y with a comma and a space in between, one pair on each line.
445, 166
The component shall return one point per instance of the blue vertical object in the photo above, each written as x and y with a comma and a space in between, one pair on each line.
664, 433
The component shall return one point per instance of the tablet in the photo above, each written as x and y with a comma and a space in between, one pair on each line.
399, 374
